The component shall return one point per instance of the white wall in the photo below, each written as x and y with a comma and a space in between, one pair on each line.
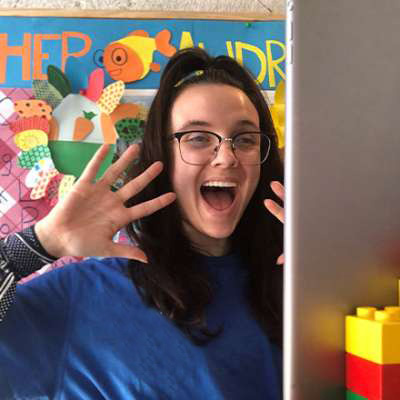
236, 6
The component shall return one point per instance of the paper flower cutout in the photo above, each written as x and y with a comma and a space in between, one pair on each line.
28, 159
51, 192
58, 80
32, 128
25, 124
43, 90
32, 176
130, 129
40, 188
26, 140
111, 97
33, 108
65, 185
95, 86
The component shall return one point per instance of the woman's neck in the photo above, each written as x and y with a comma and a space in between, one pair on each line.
206, 245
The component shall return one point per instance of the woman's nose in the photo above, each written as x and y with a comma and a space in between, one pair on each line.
225, 155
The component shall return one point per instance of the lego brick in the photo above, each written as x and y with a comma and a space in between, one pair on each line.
353, 396
372, 380
374, 334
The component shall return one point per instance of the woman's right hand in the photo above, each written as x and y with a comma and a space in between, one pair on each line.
86, 220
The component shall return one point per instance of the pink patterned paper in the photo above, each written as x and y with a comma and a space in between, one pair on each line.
17, 209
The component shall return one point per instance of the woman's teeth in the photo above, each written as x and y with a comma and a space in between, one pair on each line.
219, 184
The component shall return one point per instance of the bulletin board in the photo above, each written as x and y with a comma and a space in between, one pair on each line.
65, 76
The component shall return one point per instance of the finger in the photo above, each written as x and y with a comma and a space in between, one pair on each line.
141, 181
281, 259
127, 251
90, 171
278, 189
275, 209
151, 206
115, 170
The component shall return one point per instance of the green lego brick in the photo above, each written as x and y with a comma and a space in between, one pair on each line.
352, 396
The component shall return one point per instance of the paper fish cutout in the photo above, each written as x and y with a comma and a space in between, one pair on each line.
131, 58
278, 113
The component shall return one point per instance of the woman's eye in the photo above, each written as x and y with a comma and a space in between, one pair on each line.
245, 141
198, 138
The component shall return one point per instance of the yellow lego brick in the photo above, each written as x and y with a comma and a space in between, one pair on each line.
374, 334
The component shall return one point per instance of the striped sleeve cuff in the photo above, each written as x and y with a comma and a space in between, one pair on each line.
7, 293
25, 255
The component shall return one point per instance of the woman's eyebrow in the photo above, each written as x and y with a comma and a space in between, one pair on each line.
246, 123
194, 123
241, 124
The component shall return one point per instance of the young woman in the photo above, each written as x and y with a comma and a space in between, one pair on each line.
192, 308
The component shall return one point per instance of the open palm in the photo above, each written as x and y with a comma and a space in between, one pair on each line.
86, 220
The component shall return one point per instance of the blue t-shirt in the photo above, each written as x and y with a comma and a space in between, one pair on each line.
83, 332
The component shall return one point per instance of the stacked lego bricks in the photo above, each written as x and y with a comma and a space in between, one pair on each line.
373, 354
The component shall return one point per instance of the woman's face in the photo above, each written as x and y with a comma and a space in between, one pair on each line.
210, 217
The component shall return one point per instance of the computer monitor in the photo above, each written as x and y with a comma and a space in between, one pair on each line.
342, 176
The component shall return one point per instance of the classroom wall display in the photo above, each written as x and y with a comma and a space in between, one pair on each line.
69, 83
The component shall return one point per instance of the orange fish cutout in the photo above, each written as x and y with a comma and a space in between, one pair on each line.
131, 58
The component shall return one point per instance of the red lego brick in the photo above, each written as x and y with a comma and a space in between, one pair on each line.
371, 380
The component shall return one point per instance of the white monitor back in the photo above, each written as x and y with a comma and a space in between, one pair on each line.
342, 233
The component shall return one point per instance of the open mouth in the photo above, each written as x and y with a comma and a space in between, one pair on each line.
218, 197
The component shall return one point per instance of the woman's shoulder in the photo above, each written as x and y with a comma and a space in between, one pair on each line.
93, 273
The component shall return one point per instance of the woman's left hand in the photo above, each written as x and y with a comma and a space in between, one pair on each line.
275, 209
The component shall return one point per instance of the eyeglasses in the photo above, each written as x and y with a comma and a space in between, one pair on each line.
200, 147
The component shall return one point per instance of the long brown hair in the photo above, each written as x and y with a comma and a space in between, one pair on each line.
172, 281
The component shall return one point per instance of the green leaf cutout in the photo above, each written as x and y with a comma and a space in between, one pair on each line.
89, 115
59, 80
44, 90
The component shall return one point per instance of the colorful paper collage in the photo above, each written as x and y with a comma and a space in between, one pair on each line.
17, 209
30, 164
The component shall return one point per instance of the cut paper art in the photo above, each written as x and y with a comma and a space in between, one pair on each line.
45, 147
47, 124
31, 129
131, 58
83, 121
278, 113
87, 115
24, 152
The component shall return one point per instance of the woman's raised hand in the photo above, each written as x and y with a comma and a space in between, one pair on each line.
85, 221
275, 209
